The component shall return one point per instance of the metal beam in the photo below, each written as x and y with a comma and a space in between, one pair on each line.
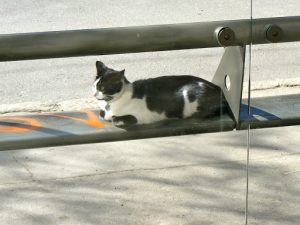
146, 38
56, 129
67, 128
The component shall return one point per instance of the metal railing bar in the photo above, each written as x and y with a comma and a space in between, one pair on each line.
57, 44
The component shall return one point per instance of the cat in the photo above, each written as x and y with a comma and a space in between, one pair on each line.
154, 99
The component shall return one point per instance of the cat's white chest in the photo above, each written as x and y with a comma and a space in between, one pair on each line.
135, 107
138, 108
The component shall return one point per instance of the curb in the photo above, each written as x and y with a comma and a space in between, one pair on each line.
41, 107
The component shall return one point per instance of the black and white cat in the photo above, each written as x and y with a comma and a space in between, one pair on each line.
150, 100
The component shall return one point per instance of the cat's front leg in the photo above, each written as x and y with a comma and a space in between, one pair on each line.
102, 114
105, 111
124, 120
108, 115
105, 115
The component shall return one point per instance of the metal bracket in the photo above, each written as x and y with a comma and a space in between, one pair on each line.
229, 77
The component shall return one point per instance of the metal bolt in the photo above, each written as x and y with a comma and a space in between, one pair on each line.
225, 36
274, 33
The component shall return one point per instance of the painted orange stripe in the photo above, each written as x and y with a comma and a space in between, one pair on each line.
33, 124
91, 121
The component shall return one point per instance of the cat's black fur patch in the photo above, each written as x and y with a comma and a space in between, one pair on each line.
164, 94
112, 88
192, 96
102, 114
125, 120
213, 103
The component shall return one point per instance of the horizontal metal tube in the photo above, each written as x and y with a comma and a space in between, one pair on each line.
139, 38
83, 127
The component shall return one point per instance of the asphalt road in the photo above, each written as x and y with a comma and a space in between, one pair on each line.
70, 78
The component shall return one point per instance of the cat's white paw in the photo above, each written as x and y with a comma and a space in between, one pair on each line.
108, 115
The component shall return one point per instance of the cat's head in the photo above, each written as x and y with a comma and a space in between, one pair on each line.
109, 83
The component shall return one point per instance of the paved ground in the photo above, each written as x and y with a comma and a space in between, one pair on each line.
198, 179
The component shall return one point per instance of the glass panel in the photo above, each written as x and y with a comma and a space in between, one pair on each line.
274, 157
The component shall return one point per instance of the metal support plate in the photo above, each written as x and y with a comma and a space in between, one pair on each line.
229, 77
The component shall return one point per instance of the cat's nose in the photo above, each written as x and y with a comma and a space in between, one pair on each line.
95, 93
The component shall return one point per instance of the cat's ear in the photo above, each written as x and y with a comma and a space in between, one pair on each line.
122, 72
100, 67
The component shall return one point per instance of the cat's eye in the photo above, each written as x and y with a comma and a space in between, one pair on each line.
100, 87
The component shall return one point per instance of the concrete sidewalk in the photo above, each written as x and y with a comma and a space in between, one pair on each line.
196, 179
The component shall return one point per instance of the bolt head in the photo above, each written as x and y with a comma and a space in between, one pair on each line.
225, 36
273, 33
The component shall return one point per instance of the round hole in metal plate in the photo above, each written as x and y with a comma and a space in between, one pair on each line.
227, 82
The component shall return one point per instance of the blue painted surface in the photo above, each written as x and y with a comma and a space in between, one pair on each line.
256, 112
